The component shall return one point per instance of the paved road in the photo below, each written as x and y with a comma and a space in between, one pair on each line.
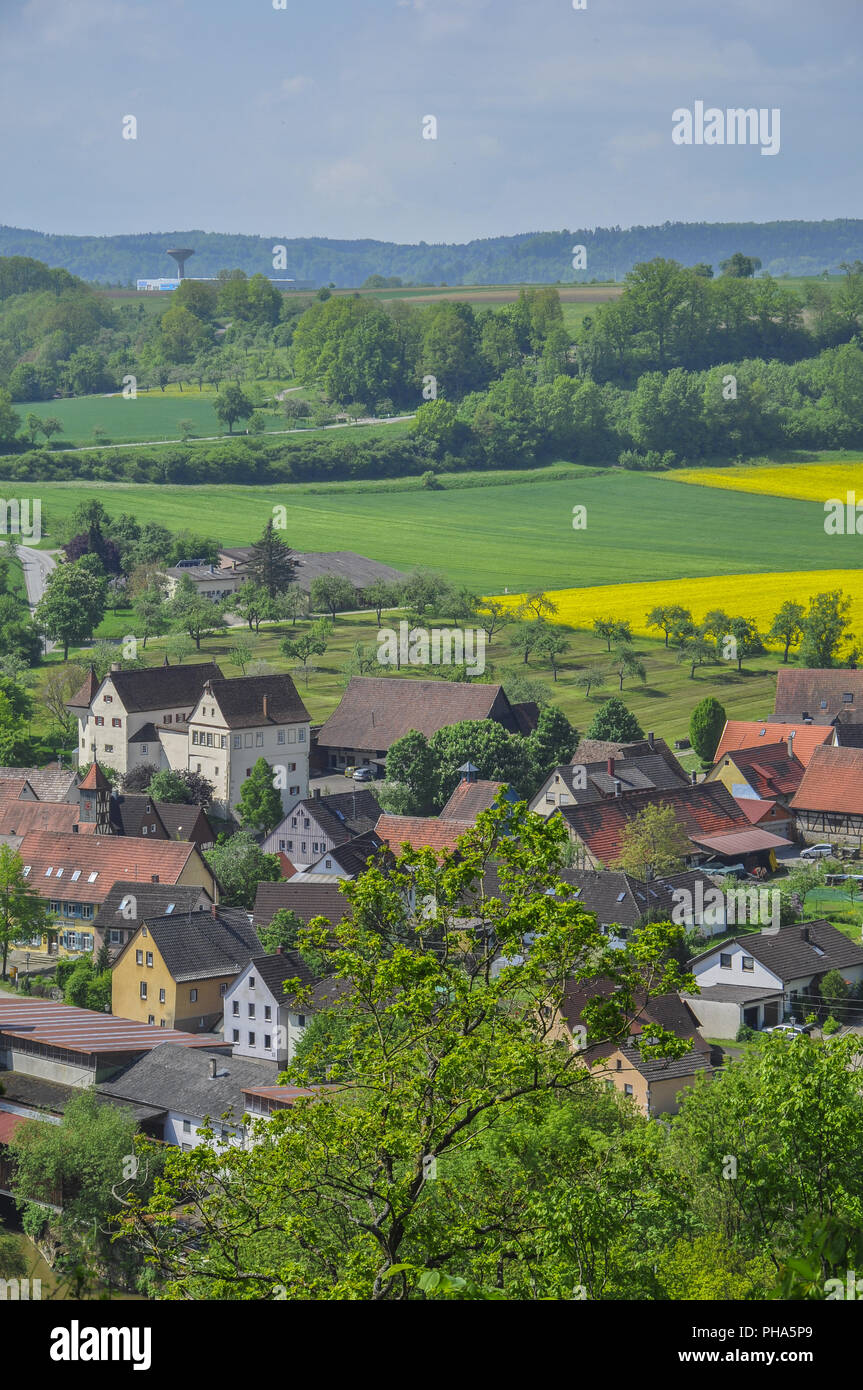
37, 565
220, 438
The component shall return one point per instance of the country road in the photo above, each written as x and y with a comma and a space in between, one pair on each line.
37, 565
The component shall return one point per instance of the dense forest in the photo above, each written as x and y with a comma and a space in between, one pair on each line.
793, 248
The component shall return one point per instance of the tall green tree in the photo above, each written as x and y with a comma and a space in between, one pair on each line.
271, 563
260, 803
240, 865
72, 606
22, 912
706, 723
615, 723
825, 629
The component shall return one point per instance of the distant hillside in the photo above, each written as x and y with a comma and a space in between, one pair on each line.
796, 248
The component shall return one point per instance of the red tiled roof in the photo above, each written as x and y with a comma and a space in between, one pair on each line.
84, 1030
11, 788
745, 733
286, 1094
420, 832
95, 780
735, 842
705, 809
469, 798
754, 809
833, 781
819, 693
20, 817
8, 1125
109, 858
768, 769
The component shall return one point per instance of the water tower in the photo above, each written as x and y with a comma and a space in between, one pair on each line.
180, 254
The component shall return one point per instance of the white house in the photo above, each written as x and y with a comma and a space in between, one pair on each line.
260, 1021
236, 722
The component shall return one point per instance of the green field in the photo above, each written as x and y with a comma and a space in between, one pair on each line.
496, 537
154, 416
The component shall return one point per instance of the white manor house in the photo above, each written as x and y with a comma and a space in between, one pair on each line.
191, 717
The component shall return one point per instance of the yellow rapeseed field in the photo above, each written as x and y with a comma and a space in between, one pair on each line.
755, 596
808, 482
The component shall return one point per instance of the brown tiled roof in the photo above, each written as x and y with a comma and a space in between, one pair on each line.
83, 697
599, 750
526, 716
12, 787
19, 817
705, 809
241, 701
833, 781
109, 858
768, 769
183, 822
420, 832
150, 900
306, 898
49, 783
469, 798
753, 733
376, 710
818, 694
159, 687
755, 809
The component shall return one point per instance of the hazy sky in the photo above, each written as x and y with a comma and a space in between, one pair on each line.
307, 121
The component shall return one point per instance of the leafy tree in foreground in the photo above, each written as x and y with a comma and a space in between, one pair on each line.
240, 865
283, 931
446, 1086
615, 723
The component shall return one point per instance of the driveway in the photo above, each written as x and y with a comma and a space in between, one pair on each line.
37, 565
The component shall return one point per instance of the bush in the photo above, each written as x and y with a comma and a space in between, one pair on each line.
744, 1033
830, 1025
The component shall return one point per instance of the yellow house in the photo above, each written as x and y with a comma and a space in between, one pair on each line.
174, 971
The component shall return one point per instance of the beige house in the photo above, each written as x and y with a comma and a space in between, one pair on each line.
236, 722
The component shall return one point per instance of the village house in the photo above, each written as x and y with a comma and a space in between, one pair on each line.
315, 564
717, 828
620, 901
579, 783
346, 861
811, 696
260, 1019
175, 971
753, 734
828, 804
472, 795
315, 825
306, 898
74, 874
763, 782
193, 1089
236, 722
211, 581
128, 903
376, 710
765, 977
52, 783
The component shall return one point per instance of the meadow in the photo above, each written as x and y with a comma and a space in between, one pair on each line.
495, 534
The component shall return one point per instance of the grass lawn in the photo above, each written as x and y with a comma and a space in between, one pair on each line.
494, 536
16, 580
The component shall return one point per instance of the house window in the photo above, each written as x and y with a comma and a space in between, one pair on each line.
302, 1020
238, 740
280, 736
328, 863
268, 1042
259, 740
251, 1040
223, 740
55, 907
627, 1089
116, 723
161, 1023
747, 964
292, 735
247, 740
109, 699
290, 844
724, 961
161, 996
235, 1008
251, 982
194, 737
115, 938
292, 767
236, 1035
294, 789
251, 1011
281, 844
99, 721
144, 748
150, 959
139, 957
187, 1128
301, 736
268, 1013
109, 747
223, 989
151, 1018
169, 718
193, 996
143, 989
619, 1065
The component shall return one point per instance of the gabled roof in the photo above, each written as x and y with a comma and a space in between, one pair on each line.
755, 733
13, 788
182, 821
755, 809
833, 781
243, 701
470, 798
795, 953
420, 832
160, 687
197, 945
307, 898
83, 696
178, 1078
705, 810
275, 969
353, 856
820, 694
613, 896
848, 735
48, 783
376, 710
596, 750
768, 769
19, 817
669, 1011
145, 899
661, 1068
94, 780
98, 861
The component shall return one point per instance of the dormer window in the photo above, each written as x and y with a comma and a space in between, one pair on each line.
848, 698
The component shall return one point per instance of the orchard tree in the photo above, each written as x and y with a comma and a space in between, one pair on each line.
383, 593
747, 639
331, 593
653, 843
614, 723
312, 642
191, 613
611, 630
787, 626
231, 405
825, 628
628, 663
252, 603
72, 606
552, 644
668, 617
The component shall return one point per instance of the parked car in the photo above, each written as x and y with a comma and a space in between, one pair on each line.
348, 771
364, 774
823, 851
790, 1029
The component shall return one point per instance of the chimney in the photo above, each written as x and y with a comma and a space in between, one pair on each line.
651, 739
610, 767
212, 1068
115, 666
693, 777
316, 793
617, 784
280, 950
266, 709
791, 744
805, 934
214, 910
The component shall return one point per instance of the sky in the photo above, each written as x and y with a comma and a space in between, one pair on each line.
308, 120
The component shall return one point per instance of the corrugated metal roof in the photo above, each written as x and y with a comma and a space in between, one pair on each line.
84, 1030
